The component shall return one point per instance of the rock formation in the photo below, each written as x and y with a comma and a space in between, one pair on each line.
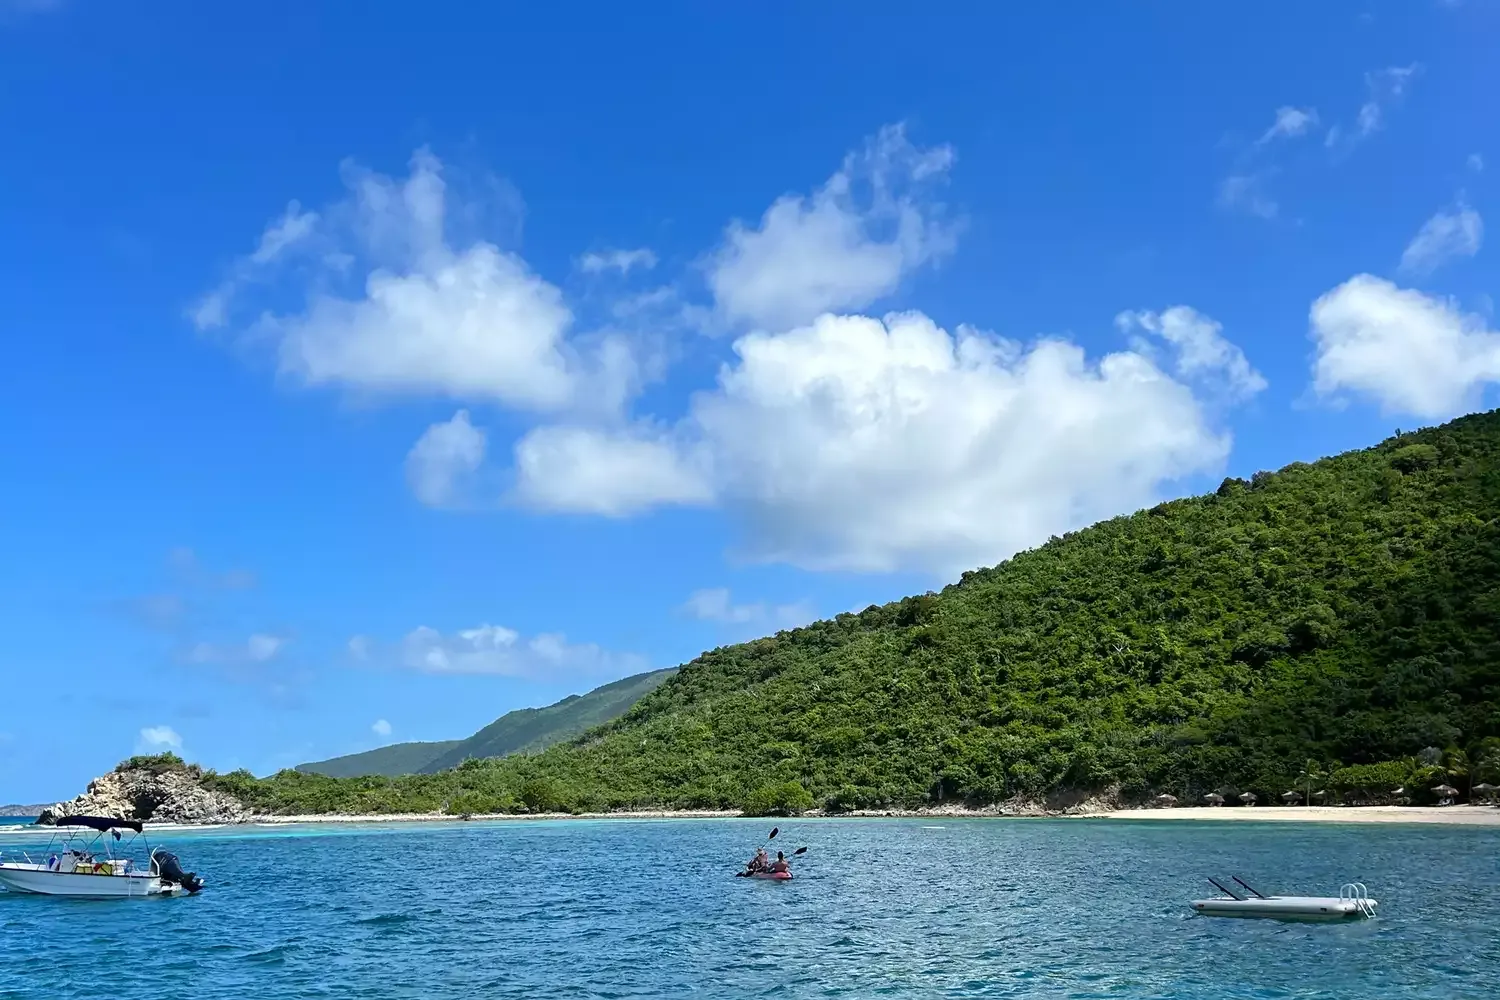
157, 796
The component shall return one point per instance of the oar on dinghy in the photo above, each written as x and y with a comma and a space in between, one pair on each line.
1247, 886
1225, 891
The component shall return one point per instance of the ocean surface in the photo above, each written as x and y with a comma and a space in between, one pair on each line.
878, 908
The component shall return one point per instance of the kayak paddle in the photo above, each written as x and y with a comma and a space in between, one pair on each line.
774, 831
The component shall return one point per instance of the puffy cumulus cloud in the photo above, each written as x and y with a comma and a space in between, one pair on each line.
844, 246
444, 460
861, 444
623, 261
1408, 352
614, 472
381, 728
715, 604
494, 649
391, 305
1202, 353
1450, 234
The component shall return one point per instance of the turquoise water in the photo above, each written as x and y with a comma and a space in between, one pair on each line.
975, 908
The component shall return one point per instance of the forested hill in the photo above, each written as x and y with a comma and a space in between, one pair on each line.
517, 731
1341, 613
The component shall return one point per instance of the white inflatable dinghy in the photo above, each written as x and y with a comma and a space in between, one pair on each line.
1353, 902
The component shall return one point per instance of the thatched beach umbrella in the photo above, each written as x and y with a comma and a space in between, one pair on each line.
1320, 795
1165, 800
1445, 791
1484, 788
1290, 797
1214, 799
1248, 798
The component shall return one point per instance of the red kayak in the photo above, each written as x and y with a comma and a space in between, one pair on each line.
775, 876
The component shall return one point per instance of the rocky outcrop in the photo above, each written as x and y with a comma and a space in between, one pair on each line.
172, 796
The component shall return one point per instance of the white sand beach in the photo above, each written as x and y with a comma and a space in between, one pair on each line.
1469, 815
1464, 815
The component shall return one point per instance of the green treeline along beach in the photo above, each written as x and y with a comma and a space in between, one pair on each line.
1335, 623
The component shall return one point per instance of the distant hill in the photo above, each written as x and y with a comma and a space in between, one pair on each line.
523, 729
398, 758
535, 728
23, 810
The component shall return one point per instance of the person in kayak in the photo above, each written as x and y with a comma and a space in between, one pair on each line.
761, 862
779, 866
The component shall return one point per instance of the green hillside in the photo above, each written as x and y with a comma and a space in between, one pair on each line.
522, 730
535, 728
1328, 616
398, 758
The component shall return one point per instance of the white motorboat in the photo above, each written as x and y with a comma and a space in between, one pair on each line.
92, 868
1353, 902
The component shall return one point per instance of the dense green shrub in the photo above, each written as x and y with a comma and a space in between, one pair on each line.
786, 798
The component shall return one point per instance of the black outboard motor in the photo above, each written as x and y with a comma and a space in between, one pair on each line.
170, 871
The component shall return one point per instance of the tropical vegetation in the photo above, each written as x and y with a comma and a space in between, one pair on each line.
1332, 627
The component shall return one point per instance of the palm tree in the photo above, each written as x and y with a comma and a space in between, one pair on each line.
1455, 765
1312, 773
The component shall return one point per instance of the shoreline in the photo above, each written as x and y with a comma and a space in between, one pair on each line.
1460, 815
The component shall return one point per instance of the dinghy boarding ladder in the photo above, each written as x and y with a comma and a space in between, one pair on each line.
1356, 893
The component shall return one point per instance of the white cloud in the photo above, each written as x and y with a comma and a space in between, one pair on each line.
610, 472
1448, 235
1475, 163
444, 459
259, 648
494, 649
836, 249
1202, 353
1408, 352
468, 321
1290, 123
158, 739
715, 604
1385, 89
359, 647
623, 261
1246, 193
295, 226
381, 728
858, 444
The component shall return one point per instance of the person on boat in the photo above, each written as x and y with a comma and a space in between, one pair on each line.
779, 866
760, 862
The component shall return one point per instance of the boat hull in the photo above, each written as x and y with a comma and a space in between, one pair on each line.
37, 880
1289, 907
771, 876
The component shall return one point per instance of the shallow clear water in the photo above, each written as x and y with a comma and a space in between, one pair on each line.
972, 908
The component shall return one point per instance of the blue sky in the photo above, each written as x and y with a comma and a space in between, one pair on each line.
371, 371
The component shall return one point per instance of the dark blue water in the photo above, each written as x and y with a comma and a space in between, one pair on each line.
976, 908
